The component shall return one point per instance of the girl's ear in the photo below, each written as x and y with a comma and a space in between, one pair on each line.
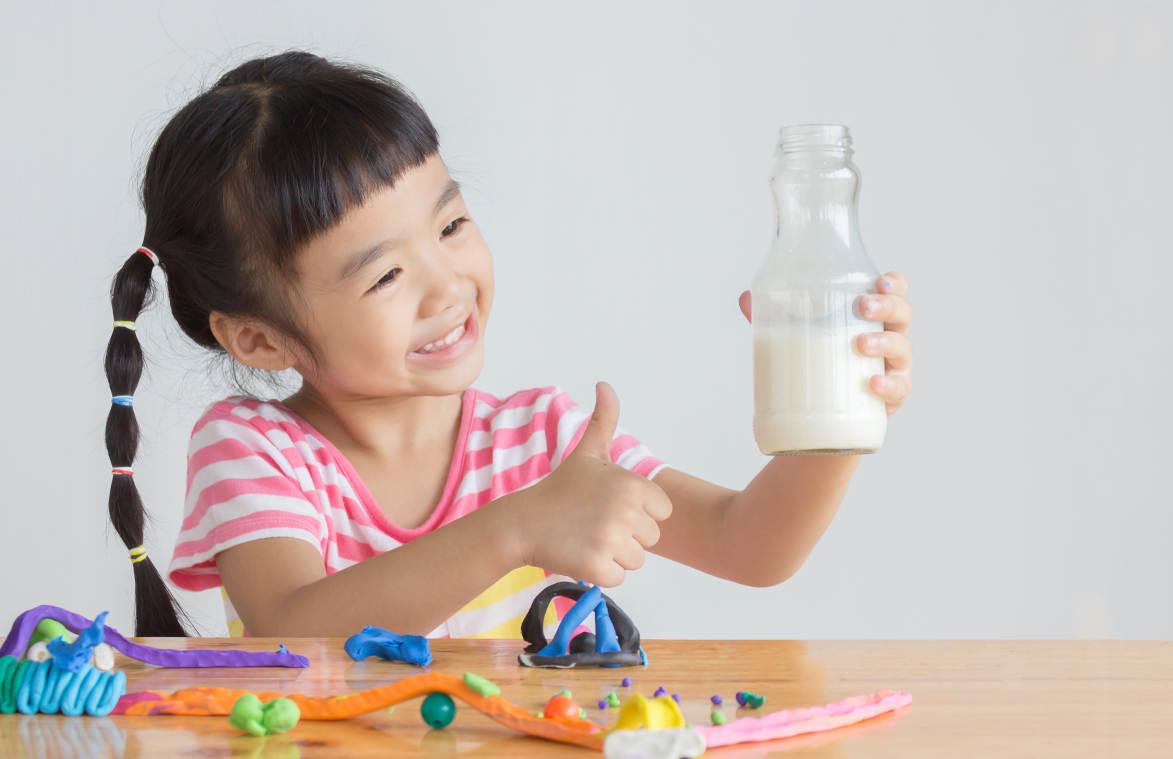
251, 342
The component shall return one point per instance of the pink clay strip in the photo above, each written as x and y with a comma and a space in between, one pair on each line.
814, 719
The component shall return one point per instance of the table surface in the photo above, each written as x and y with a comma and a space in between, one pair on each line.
970, 698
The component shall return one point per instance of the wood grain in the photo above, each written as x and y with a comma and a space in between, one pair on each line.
970, 698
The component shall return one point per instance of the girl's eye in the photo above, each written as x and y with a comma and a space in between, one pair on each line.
390, 276
457, 223
387, 278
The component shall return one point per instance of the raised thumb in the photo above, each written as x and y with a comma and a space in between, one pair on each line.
596, 440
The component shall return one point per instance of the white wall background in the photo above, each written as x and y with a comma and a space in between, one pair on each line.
1016, 163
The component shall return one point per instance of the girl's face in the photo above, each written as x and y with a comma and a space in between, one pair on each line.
396, 297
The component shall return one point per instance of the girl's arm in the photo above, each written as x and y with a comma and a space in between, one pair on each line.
280, 588
761, 535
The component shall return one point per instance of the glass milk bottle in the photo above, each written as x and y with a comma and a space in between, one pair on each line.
811, 393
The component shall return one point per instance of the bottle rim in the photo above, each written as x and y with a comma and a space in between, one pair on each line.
795, 138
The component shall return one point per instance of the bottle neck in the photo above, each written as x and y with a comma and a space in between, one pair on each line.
816, 194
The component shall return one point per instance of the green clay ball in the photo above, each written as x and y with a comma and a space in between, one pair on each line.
718, 717
247, 714
281, 715
438, 710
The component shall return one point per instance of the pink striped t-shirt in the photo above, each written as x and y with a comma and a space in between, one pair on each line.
256, 469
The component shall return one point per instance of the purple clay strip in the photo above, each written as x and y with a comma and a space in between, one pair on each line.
17, 641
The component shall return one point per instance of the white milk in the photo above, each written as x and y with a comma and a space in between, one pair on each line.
811, 391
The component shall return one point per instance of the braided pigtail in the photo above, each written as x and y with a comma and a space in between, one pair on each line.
157, 613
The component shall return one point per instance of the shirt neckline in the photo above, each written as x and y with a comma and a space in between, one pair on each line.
367, 500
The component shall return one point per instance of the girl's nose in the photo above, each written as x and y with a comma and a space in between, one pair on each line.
443, 289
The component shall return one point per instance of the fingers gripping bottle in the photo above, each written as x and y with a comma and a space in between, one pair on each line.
811, 393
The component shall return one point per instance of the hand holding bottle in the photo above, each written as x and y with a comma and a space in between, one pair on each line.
889, 304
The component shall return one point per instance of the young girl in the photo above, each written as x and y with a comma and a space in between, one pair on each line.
304, 219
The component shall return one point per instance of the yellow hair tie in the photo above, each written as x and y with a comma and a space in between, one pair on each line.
138, 554
124, 324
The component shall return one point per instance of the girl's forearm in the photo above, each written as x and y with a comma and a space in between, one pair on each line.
768, 529
412, 588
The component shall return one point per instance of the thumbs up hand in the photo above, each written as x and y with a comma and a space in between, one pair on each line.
590, 518
595, 442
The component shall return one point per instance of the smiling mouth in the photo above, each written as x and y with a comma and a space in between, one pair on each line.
445, 341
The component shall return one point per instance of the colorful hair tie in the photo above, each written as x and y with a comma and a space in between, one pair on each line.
124, 324
149, 253
126, 470
123, 400
137, 554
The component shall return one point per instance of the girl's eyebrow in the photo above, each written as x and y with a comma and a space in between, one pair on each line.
363, 257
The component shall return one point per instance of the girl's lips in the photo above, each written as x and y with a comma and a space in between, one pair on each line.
453, 352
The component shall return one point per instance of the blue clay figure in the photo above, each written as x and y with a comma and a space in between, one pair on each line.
73, 656
375, 641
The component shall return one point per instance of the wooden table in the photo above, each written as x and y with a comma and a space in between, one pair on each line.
989, 699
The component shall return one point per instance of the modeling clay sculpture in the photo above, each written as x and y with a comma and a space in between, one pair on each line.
30, 687
564, 728
813, 719
561, 706
65, 681
375, 641
657, 713
615, 642
219, 701
62, 680
22, 630
750, 700
482, 685
72, 656
278, 716
438, 710
48, 629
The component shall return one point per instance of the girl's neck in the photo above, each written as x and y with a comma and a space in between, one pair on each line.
383, 427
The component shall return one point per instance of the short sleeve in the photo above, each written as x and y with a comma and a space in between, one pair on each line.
567, 422
240, 487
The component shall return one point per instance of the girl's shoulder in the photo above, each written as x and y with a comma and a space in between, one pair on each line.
251, 421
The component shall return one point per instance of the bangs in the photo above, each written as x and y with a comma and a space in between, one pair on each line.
318, 150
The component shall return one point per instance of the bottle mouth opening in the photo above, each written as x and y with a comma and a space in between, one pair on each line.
803, 137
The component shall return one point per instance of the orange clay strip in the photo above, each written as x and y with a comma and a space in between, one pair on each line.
219, 701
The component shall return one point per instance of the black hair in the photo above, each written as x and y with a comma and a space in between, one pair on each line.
239, 180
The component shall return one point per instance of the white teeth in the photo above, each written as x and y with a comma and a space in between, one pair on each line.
445, 341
